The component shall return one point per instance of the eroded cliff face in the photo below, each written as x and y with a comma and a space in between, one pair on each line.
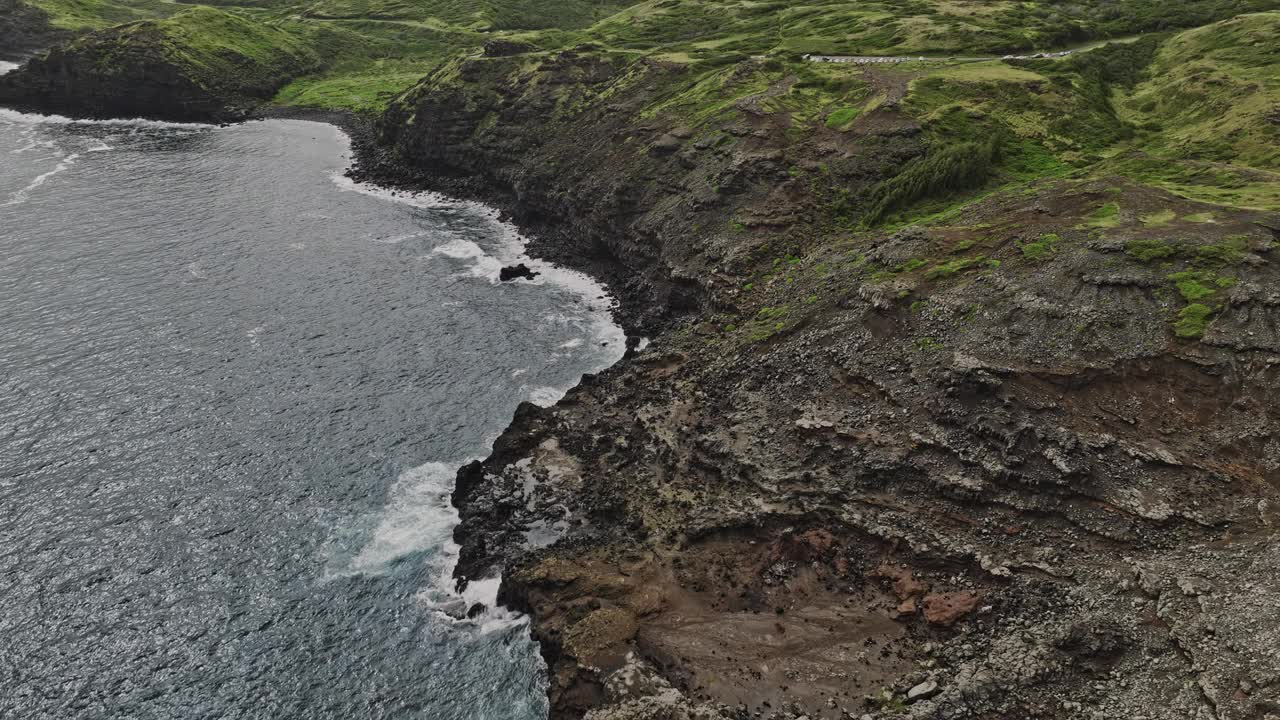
1017, 463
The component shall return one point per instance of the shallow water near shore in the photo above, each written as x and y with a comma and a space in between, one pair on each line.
237, 389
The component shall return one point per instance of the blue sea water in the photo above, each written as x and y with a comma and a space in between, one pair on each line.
236, 389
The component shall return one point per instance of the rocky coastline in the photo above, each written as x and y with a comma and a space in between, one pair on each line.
990, 506
844, 481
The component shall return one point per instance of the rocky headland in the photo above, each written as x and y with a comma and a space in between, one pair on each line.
203, 65
959, 392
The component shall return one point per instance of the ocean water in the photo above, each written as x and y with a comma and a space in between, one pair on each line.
236, 389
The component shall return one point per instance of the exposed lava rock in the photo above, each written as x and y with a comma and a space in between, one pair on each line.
994, 464
512, 272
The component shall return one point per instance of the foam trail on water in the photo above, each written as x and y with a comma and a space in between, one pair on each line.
20, 196
15, 117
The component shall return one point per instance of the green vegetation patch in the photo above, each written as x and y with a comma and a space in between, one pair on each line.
1158, 218
1150, 250
1199, 288
959, 265
1229, 251
99, 14
1106, 216
946, 170
367, 88
842, 117
1193, 320
1209, 94
1193, 285
1041, 248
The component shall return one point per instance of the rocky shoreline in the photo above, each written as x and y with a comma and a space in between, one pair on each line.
950, 470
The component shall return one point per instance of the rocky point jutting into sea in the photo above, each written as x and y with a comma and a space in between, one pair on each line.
958, 397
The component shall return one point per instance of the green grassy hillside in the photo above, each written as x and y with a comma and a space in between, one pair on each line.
1212, 94
375, 49
1190, 110
216, 49
896, 26
98, 14
478, 15
1195, 112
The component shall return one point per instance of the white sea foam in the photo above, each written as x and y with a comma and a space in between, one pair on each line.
508, 250
7, 66
254, 333
20, 196
546, 396
422, 199
66, 159
14, 117
459, 250
419, 516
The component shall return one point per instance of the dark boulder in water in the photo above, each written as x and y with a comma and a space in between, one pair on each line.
511, 272
476, 611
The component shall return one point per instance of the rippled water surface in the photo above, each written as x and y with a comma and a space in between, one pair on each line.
236, 389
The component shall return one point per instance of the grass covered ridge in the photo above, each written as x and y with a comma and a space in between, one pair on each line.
99, 14
375, 49
1212, 94
1196, 111
218, 50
